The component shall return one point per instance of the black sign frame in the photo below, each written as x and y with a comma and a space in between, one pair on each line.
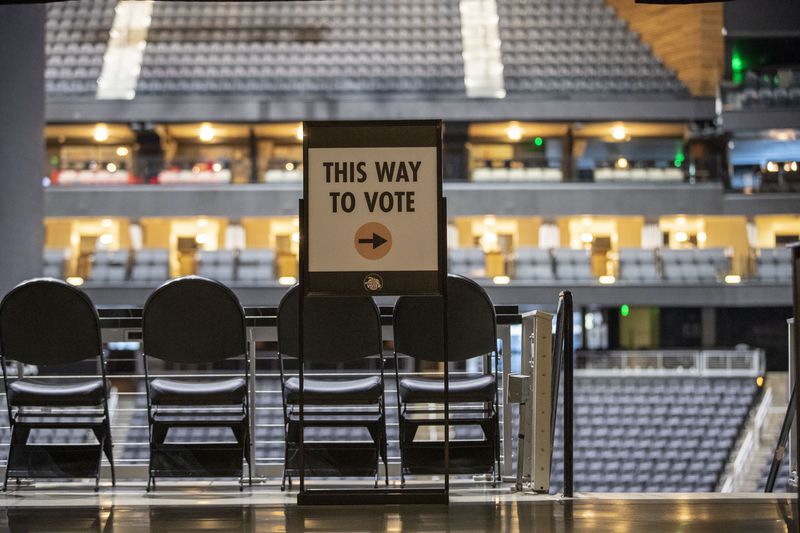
374, 134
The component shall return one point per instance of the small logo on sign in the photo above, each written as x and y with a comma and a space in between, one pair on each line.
373, 282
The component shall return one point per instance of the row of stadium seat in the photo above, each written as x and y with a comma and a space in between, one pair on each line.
530, 264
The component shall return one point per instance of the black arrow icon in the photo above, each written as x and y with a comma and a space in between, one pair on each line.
376, 241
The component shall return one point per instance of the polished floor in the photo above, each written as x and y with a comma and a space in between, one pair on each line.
220, 508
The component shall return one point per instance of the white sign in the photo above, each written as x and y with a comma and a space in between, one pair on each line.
372, 209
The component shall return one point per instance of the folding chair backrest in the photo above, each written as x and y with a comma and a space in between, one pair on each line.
471, 328
193, 320
336, 329
46, 321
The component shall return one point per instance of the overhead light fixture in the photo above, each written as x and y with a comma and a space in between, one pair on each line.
122, 151
287, 280
701, 236
207, 132
296, 236
501, 280
680, 221
201, 238
587, 237
100, 133
514, 132
681, 236
202, 222
607, 280
618, 132
733, 279
772, 166
106, 238
622, 163
299, 134
106, 222
111, 167
216, 167
793, 166
75, 280
289, 166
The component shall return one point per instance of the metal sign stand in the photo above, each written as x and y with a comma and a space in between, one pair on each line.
378, 496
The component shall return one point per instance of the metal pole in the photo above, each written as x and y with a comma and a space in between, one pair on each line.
796, 360
507, 467
568, 371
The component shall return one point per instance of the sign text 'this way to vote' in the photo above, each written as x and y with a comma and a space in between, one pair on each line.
385, 173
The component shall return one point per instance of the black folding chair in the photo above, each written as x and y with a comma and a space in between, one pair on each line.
196, 321
473, 400
48, 323
337, 330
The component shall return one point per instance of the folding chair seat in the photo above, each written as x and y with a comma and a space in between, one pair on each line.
335, 330
418, 329
165, 391
48, 323
31, 392
422, 390
196, 321
324, 392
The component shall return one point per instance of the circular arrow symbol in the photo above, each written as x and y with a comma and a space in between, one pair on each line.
373, 240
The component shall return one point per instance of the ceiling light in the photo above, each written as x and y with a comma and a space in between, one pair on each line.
622, 163
514, 132
607, 280
289, 166
681, 236
75, 280
299, 134
701, 236
101, 133
122, 151
206, 133
772, 166
618, 132
201, 238
287, 280
587, 237
216, 167
501, 280
733, 279
106, 238
111, 167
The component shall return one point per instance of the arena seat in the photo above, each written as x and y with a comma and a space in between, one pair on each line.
533, 264
150, 265
54, 262
774, 265
468, 262
573, 265
218, 265
255, 265
694, 265
576, 47
638, 265
653, 434
109, 266
76, 39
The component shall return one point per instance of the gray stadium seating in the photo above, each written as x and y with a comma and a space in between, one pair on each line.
150, 265
109, 267
694, 265
573, 265
661, 434
533, 264
469, 262
638, 265
76, 37
54, 261
218, 265
256, 265
774, 265
576, 46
